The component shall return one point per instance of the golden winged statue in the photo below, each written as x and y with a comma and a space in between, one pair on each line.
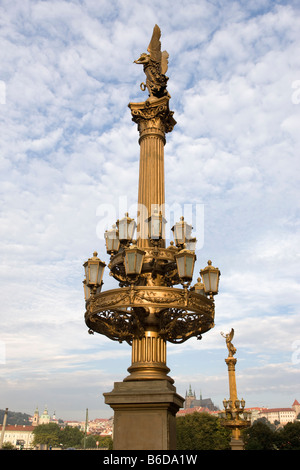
230, 347
155, 65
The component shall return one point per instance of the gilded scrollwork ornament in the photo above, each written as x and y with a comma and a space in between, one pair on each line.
177, 326
122, 313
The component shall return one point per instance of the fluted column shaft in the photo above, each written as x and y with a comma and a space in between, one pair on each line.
151, 192
231, 362
154, 120
149, 356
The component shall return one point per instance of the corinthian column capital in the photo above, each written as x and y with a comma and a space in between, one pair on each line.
153, 117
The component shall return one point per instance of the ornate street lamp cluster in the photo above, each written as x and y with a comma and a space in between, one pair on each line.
235, 411
153, 267
127, 260
235, 418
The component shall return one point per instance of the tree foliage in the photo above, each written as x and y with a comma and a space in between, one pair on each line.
71, 437
53, 436
104, 442
48, 434
201, 431
289, 436
8, 446
262, 436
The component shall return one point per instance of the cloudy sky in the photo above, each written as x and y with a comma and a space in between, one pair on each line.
69, 166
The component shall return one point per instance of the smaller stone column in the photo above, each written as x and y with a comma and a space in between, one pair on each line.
236, 443
234, 418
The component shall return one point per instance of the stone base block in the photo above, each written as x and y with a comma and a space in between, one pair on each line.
237, 444
144, 414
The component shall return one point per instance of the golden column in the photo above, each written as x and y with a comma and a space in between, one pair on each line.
234, 416
154, 120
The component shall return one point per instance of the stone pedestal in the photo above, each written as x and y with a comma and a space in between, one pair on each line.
144, 414
237, 444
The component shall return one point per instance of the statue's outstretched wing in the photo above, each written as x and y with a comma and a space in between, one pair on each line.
231, 334
154, 47
164, 62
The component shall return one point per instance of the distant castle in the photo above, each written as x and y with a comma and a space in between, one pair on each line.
192, 402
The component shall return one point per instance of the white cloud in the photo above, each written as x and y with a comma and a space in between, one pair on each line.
69, 149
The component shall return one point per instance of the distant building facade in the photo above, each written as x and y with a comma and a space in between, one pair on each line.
101, 426
19, 436
76, 424
281, 415
192, 402
277, 416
